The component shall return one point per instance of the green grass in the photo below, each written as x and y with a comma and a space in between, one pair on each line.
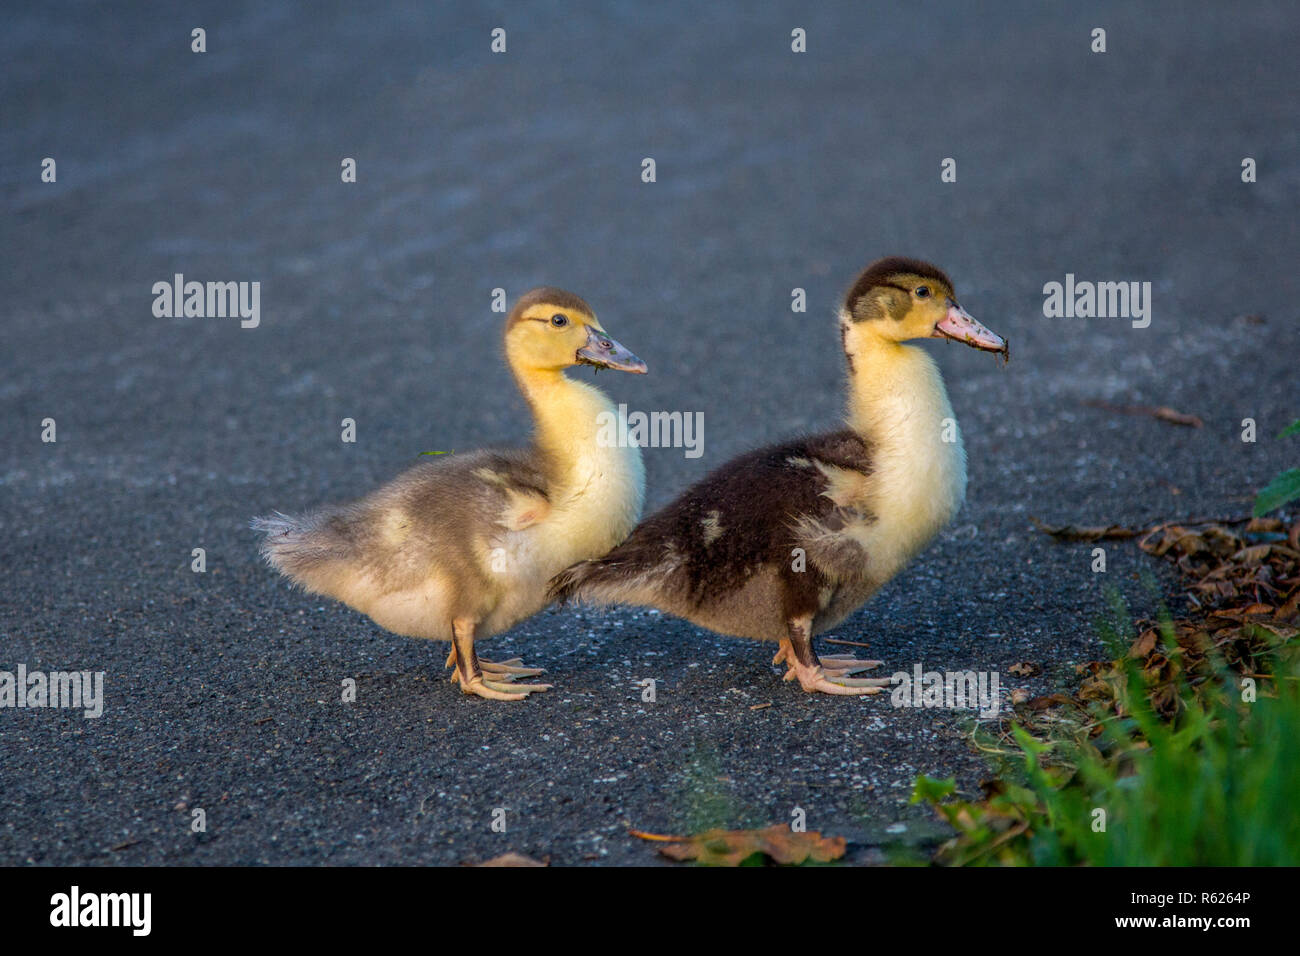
1216, 788
1284, 488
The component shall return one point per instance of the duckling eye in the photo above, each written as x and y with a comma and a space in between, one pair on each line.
923, 292
559, 321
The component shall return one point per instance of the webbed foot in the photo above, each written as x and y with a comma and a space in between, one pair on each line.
830, 674
491, 679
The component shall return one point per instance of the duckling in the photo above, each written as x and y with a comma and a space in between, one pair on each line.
461, 548
785, 542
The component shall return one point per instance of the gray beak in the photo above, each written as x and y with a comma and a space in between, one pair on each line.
603, 352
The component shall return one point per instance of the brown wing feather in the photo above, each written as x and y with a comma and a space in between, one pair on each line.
748, 515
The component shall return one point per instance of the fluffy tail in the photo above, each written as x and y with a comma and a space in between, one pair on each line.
598, 581
304, 549
571, 583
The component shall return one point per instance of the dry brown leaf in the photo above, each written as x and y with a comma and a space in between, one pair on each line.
1144, 645
1167, 414
1024, 669
1162, 412
732, 847
1290, 608
1070, 532
1279, 630
1049, 700
1253, 555
1095, 688
1243, 600
1262, 525
511, 859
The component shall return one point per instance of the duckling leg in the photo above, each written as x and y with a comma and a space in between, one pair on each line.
797, 653
470, 670
835, 665
503, 670
841, 665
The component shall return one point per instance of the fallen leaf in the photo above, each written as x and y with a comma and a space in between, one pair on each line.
1070, 532
1167, 414
1144, 645
1162, 412
1049, 700
1024, 669
511, 859
732, 847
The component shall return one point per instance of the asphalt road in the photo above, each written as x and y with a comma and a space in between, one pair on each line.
774, 170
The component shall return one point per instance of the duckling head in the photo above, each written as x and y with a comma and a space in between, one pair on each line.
898, 299
550, 329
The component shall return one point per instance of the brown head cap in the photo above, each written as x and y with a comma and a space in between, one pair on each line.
889, 272
547, 295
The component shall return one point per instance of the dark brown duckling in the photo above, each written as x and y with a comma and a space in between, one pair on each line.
785, 542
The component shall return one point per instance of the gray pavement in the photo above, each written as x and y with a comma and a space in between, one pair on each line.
478, 171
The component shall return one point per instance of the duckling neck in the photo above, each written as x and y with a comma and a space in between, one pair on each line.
608, 480
898, 404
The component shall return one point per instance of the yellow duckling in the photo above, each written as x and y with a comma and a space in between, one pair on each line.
462, 547
785, 542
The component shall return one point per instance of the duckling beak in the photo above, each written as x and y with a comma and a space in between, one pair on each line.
603, 352
959, 326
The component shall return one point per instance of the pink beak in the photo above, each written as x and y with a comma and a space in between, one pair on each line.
960, 327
